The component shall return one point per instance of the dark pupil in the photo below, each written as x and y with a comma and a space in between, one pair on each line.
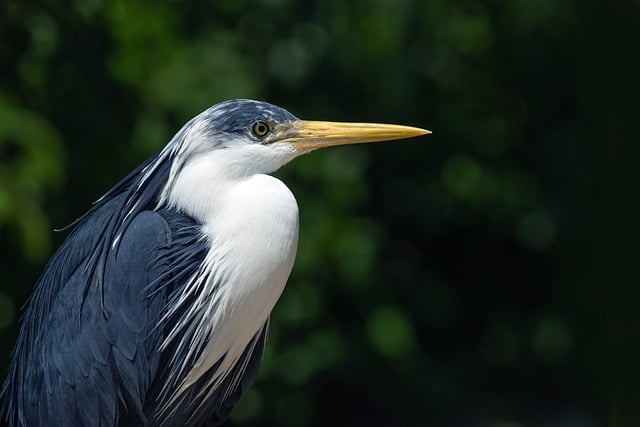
260, 129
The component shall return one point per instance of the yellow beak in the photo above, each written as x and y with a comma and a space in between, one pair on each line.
306, 135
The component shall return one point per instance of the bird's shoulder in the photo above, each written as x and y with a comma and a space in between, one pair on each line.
85, 351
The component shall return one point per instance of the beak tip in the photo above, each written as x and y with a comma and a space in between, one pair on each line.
421, 132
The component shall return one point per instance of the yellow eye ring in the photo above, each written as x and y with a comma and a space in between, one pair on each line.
260, 129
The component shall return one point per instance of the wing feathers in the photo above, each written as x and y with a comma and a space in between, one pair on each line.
89, 352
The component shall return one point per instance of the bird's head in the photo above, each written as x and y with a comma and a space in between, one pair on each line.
257, 137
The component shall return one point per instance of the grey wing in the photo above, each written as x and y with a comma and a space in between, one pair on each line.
86, 354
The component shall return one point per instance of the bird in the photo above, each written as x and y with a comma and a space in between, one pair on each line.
154, 311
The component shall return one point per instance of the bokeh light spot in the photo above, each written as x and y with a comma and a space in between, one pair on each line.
552, 339
536, 231
461, 175
390, 331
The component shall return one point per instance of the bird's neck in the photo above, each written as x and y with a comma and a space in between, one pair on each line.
251, 221
252, 225
200, 188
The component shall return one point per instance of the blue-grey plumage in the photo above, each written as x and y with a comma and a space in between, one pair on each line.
154, 310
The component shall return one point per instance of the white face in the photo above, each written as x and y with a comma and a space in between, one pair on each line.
241, 157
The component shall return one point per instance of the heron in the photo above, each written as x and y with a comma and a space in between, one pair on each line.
154, 310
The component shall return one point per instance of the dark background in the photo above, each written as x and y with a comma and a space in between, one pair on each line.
475, 277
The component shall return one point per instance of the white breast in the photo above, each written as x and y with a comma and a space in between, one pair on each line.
253, 232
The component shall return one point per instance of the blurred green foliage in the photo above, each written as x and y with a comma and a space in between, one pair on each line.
439, 281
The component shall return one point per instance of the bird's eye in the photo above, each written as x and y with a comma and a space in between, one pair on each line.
260, 129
